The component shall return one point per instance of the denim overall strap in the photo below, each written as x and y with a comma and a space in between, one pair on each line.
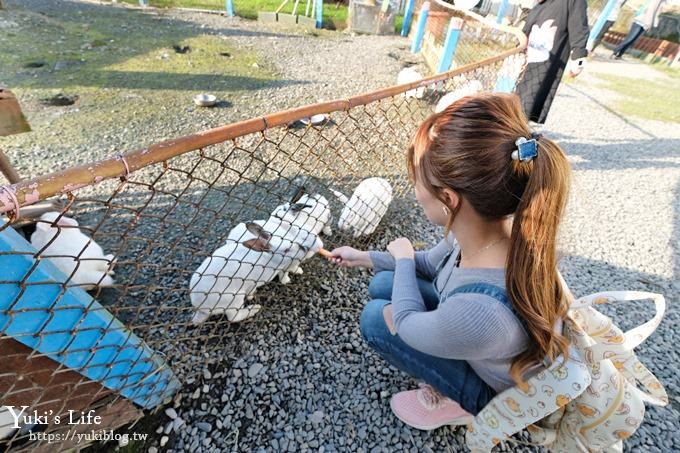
443, 261
440, 266
498, 293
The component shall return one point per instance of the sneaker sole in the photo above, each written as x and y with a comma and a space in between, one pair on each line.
456, 422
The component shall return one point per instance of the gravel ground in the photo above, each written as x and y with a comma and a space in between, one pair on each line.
299, 378
130, 92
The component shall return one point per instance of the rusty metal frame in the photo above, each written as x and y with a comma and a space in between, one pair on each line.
43, 187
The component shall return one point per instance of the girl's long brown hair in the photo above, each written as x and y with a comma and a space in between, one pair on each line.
467, 148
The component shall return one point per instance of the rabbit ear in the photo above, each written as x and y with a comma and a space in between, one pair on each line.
300, 192
299, 207
67, 221
43, 225
47, 222
259, 245
258, 231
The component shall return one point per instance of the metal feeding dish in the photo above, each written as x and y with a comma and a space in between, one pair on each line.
314, 119
205, 100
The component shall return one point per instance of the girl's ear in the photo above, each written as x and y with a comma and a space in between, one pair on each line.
451, 199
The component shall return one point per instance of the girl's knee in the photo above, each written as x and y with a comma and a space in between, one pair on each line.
372, 322
381, 285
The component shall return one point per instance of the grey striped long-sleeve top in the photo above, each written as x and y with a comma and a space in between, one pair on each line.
472, 327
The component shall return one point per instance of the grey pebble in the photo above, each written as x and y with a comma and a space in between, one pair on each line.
254, 369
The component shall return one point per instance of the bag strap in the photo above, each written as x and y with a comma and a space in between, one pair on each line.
627, 362
633, 337
656, 394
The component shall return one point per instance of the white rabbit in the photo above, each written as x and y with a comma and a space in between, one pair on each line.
471, 87
367, 206
224, 280
75, 254
279, 230
408, 75
309, 212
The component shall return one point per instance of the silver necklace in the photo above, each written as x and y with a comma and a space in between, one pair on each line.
482, 249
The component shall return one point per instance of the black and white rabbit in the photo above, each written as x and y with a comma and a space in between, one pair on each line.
309, 212
224, 281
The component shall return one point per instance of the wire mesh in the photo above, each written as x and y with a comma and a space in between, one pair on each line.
165, 252
478, 38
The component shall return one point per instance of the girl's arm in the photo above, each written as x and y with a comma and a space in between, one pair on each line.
426, 261
464, 327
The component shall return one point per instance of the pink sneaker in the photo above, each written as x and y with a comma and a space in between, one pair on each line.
427, 409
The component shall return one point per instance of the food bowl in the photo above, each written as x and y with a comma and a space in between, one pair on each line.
205, 100
314, 119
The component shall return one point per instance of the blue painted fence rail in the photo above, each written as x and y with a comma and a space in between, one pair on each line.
71, 328
408, 16
420, 30
450, 44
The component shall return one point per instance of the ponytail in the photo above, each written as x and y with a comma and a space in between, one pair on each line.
532, 278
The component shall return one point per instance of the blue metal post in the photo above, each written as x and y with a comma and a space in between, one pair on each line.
501, 11
608, 8
420, 30
230, 8
450, 43
143, 3
319, 13
408, 16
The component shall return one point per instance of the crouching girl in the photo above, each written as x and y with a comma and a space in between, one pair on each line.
476, 313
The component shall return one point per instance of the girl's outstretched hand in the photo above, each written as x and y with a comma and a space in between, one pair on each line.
401, 248
350, 257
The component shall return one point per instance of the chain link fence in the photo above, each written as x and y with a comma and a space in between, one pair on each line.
157, 255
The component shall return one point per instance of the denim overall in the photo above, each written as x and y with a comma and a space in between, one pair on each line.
452, 378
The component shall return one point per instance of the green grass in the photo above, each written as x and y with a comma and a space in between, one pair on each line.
334, 14
655, 99
122, 73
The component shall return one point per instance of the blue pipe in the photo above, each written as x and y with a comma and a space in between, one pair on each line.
420, 28
408, 16
455, 25
319, 13
608, 8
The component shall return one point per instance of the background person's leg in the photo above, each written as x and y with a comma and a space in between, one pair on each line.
454, 379
634, 33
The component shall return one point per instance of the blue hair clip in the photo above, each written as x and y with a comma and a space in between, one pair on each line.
526, 149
